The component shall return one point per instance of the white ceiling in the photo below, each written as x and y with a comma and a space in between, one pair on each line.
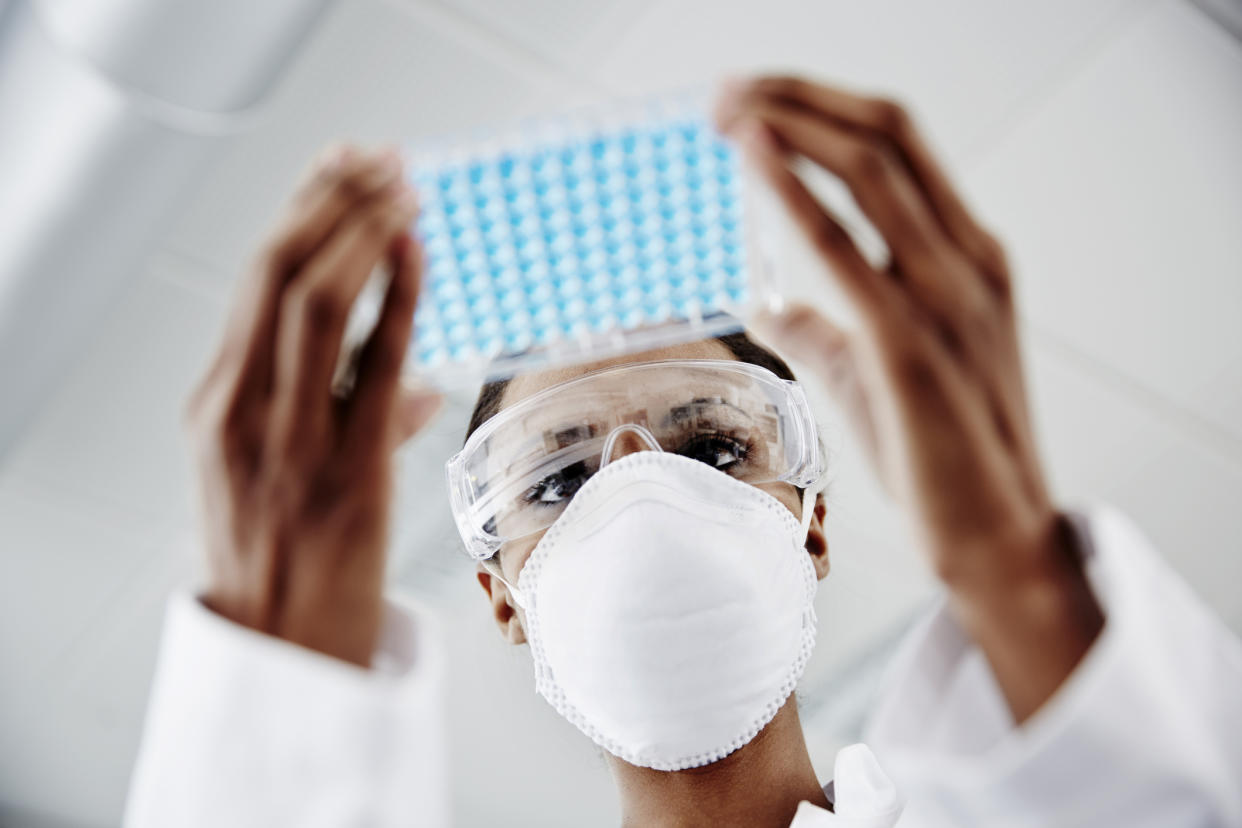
1100, 138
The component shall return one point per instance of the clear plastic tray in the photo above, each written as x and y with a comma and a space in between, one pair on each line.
579, 237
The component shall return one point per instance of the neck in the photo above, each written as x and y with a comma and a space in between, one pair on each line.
758, 785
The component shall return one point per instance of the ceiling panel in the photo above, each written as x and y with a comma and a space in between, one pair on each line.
1101, 447
112, 432
1228, 13
965, 65
566, 35
1120, 199
375, 73
66, 560
71, 739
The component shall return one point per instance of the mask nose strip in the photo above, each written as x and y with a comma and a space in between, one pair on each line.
609, 444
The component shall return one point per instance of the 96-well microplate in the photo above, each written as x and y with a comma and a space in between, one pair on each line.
569, 243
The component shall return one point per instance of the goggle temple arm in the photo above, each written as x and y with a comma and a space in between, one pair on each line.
492, 565
809, 494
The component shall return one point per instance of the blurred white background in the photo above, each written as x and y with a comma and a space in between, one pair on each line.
1100, 138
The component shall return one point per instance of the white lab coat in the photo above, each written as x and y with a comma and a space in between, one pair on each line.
244, 729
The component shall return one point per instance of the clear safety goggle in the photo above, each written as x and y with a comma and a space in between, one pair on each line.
520, 469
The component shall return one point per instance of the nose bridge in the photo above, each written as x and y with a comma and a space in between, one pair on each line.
627, 438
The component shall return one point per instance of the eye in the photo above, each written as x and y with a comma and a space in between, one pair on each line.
719, 451
557, 487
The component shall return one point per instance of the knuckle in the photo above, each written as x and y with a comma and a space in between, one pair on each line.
343, 188
388, 359
921, 247
355, 181
890, 117
781, 86
994, 257
318, 304
202, 413
801, 319
991, 258
344, 192
828, 237
192, 407
377, 225
328, 491
337, 160
191, 416
913, 370
219, 432
978, 317
953, 336
228, 427
274, 256
330, 158
867, 164
836, 247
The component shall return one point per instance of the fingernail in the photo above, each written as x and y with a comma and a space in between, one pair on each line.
732, 92
407, 201
402, 246
390, 159
764, 325
756, 137
337, 157
732, 87
727, 107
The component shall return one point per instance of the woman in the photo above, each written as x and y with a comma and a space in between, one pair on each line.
661, 561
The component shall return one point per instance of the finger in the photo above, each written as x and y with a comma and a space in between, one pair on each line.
414, 408
810, 337
857, 278
934, 272
342, 178
331, 159
316, 308
890, 120
370, 408
882, 188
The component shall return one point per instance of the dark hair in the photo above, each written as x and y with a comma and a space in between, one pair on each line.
739, 344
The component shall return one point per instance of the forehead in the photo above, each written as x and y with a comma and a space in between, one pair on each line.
524, 385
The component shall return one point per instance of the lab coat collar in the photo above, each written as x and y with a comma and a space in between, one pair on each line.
861, 792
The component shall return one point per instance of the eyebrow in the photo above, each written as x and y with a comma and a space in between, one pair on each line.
674, 411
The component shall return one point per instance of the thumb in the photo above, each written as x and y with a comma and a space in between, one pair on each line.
807, 336
414, 409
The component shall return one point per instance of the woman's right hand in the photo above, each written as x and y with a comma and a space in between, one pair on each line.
933, 378
296, 480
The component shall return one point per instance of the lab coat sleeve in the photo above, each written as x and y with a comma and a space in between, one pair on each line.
1147, 730
244, 729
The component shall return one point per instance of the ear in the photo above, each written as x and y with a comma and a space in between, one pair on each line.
816, 542
503, 609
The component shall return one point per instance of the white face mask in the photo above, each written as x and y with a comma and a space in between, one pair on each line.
669, 609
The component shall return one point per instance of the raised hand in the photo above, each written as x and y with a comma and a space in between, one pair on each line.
933, 377
296, 480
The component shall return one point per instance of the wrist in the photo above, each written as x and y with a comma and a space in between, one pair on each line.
1033, 615
1010, 560
341, 626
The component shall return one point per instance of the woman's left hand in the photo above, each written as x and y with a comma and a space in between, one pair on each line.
296, 480
933, 378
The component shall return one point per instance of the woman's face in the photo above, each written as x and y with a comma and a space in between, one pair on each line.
514, 554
